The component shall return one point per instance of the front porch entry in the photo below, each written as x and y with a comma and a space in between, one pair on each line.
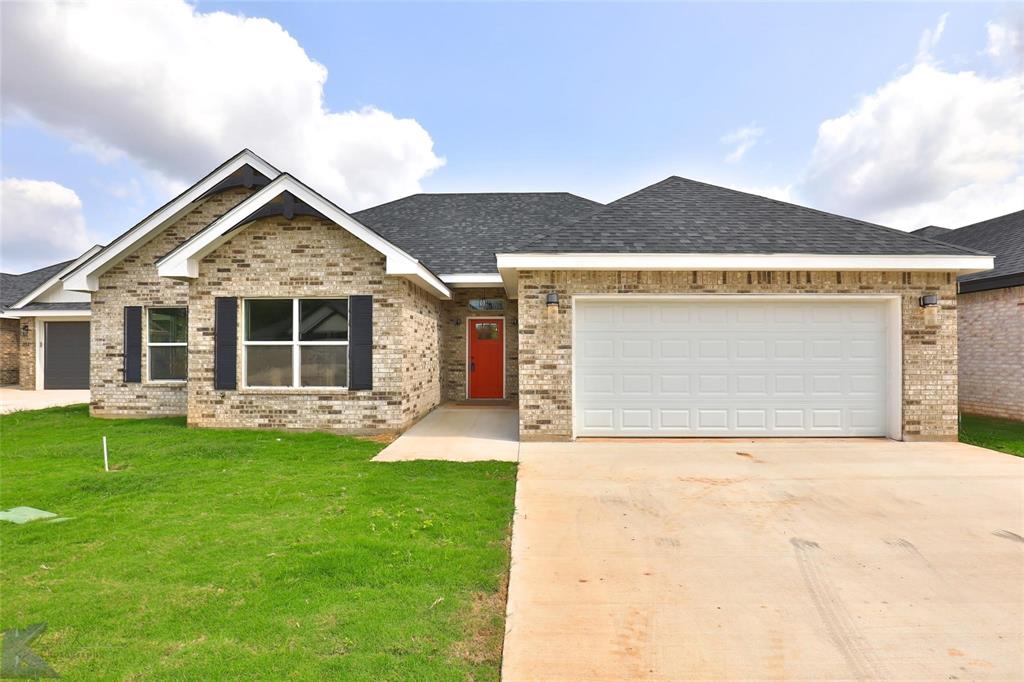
485, 358
460, 432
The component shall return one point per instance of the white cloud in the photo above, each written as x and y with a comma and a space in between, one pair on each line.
41, 223
180, 90
931, 146
930, 38
778, 192
742, 139
1003, 41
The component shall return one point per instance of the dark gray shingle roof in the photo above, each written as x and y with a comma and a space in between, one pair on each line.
1003, 237
678, 215
460, 233
931, 232
15, 287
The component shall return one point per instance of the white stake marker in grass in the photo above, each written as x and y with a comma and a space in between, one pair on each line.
106, 464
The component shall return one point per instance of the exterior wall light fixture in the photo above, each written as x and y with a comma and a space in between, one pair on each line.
552, 300
929, 301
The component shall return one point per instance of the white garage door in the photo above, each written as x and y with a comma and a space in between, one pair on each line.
682, 367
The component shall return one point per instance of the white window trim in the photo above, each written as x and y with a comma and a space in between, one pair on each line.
295, 344
149, 344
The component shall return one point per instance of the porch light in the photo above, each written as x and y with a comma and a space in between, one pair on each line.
552, 300
929, 301
24, 331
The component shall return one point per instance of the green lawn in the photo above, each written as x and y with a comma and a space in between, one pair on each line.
249, 554
993, 433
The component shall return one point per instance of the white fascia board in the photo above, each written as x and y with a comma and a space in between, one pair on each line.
474, 279
775, 261
184, 262
87, 279
42, 288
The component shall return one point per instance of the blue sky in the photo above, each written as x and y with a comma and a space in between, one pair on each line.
598, 99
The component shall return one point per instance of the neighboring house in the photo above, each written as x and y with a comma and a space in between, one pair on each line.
991, 324
44, 329
683, 309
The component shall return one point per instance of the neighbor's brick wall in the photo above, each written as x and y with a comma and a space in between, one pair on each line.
309, 256
134, 281
991, 331
545, 338
453, 345
10, 351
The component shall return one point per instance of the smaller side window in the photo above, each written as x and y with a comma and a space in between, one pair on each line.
167, 344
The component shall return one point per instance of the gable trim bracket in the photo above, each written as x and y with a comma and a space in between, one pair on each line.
183, 262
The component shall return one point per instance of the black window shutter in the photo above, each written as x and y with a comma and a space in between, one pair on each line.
132, 344
360, 343
225, 343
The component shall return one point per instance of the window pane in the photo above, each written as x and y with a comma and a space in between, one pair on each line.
268, 366
323, 319
486, 331
168, 325
324, 365
268, 320
168, 362
487, 304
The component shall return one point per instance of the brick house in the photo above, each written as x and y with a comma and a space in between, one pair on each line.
991, 317
44, 329
683, 309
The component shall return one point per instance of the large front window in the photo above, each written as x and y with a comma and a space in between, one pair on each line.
296, 342
168, 344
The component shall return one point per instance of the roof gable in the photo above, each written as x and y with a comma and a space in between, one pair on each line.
287, 196
86, 276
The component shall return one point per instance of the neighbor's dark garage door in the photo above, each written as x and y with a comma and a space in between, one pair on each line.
66, 355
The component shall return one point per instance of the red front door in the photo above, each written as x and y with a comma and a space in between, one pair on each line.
486, 358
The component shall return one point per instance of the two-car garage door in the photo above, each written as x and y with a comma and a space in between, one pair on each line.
720, 367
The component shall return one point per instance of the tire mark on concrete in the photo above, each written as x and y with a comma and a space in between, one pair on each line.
1008, 534
911, 549
838, 623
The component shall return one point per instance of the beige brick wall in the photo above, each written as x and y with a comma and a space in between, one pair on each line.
453, 344
134, 281
27, 357
312, 257
991, 333
545, 338
10, 351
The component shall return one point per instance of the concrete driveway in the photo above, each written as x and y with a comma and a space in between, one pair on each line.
767, 560
16, 399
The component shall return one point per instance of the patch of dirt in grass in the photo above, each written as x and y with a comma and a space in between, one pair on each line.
384, 438
484, 627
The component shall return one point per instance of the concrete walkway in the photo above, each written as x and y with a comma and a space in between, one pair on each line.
766, 560
16, 399
459, 433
